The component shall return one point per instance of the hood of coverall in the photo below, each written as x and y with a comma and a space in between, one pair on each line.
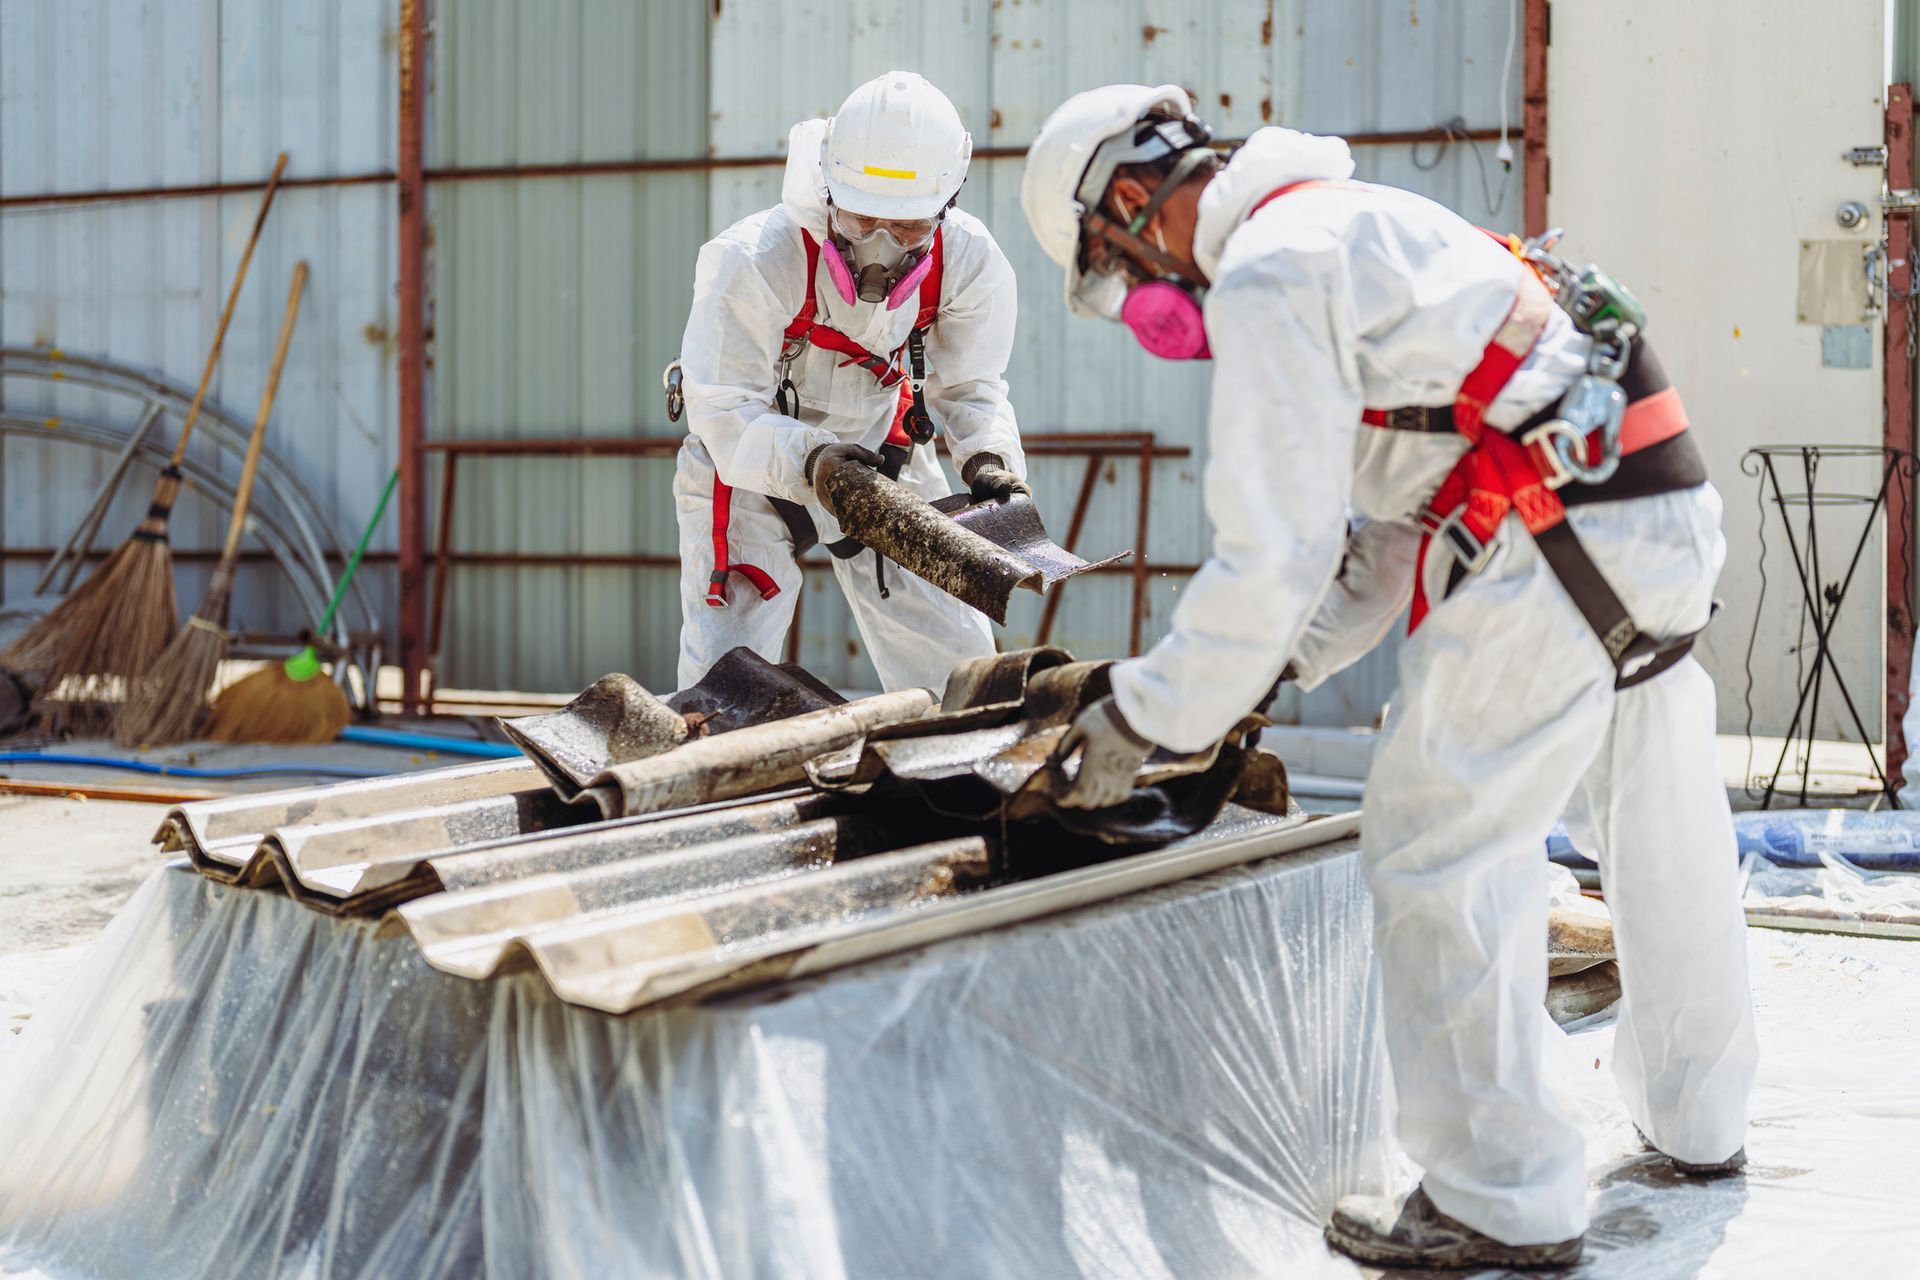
1272, 157
803, 189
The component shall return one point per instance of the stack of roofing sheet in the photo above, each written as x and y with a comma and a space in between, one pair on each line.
650, 849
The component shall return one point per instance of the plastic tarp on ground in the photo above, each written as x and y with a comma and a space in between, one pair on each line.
1175, 1084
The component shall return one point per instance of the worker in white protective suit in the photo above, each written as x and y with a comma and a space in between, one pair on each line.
850, 317
1534, 493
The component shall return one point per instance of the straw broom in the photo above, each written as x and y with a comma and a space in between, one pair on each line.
288, 702
162, 704
116, 624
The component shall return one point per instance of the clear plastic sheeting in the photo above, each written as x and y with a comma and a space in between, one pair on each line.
1837, 896
1834, 1144
1178, 1083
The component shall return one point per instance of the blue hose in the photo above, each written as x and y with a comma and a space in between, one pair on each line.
372, 737
188, 771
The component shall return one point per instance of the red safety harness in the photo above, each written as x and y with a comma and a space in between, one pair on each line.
1499, 474
805, 330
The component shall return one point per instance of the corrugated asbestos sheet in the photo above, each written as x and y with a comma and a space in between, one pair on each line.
110, 94
555, 301
488, 875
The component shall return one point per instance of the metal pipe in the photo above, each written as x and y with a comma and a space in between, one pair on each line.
580, 168
121, 195
539, 559
1056, 445
411, 349
198, 476
1080, 504
1537, 172
83, 533
302, 509
1138, 622
1898, 429
561, 446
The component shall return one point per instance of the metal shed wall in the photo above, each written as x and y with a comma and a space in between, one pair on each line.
556, 301
113, 94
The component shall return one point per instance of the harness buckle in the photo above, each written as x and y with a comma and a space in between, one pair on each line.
1462, 543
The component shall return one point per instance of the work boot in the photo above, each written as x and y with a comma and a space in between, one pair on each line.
1416, 1234
1717, 1169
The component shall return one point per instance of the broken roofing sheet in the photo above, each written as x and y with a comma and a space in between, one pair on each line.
985, 756
977, 552
709, 876
615, 720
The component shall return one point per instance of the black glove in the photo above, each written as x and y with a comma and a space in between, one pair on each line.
828, 456
989, 478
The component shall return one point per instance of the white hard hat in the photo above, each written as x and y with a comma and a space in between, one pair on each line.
1057, 165
895, 149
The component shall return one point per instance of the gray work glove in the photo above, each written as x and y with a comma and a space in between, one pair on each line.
988, 478
1111, 754
829, 455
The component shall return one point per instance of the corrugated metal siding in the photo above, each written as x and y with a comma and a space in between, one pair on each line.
113, 94
556, 301
555, 305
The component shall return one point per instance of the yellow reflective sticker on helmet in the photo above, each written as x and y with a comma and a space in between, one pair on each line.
875, 171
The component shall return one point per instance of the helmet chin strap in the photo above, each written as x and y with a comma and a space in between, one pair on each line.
1168, 264
1128, 237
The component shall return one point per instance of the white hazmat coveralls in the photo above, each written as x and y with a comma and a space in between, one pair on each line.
748, 285
1332, 299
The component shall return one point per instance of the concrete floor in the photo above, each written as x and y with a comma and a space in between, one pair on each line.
67, 864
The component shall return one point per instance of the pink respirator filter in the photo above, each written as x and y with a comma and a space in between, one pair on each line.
1166, 320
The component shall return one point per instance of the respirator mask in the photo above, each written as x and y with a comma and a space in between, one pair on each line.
878, 259
1164, 310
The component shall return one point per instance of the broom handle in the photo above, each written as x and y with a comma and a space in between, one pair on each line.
226, 316
243, 494
353, 562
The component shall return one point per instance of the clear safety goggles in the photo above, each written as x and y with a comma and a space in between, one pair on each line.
908, 233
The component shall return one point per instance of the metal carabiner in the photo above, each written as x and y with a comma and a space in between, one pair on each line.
670, 381
1591, 404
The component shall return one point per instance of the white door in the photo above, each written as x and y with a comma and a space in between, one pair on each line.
1697, 154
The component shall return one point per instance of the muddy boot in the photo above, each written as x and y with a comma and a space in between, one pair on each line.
1717, 1169
1416, 1234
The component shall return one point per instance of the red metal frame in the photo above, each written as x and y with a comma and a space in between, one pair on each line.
1536, 172
411, 348
1097, 447
1898, 423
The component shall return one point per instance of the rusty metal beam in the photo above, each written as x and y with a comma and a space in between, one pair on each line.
578, 168
1898, 425
411, 343
123, 195
1138, 621
1537, 173
1081, 501
442, 551
533, 560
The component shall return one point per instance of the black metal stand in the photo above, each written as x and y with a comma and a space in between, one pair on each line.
1821, 600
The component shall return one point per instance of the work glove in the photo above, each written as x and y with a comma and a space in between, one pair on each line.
830, 455
989, 478
1111, 754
